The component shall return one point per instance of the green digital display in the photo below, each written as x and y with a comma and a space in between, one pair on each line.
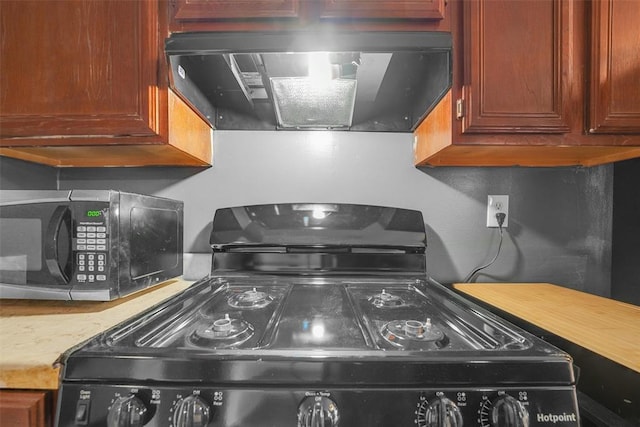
93, 214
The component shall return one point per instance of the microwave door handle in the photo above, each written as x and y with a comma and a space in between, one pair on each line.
51, 245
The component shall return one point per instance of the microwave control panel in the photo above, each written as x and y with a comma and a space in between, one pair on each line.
91, 244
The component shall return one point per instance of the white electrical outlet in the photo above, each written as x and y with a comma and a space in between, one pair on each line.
497, 204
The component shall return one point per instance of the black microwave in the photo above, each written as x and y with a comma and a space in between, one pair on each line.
87, 244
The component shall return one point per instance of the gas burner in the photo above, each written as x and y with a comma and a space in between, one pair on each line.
386, 300
225, 332
413, 334
252, 298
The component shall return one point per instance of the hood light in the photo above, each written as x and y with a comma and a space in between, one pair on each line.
320, 69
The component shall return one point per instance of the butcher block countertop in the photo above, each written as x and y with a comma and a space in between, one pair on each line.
33, 334
604, 326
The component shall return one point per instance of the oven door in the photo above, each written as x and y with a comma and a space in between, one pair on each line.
36, 250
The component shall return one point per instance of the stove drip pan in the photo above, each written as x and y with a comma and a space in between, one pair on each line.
225, 332
250, 299
413, 334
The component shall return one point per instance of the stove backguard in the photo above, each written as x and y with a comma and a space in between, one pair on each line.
318, 238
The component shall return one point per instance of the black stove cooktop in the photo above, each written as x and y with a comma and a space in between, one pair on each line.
346, 330
280, 314
221, 322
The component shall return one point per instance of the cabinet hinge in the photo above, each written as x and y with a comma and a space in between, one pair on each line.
459, 109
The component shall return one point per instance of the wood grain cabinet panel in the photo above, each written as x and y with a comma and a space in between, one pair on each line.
25, 408
516, 55
229, 9
615, 67
88, 76
278, 15
61, 71
384, 9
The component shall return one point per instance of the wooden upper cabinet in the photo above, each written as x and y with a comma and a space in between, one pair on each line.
64, 63
266, 15
385, 9
518, 57
538, 83
525, 68
229, 9
615, 67
89, 74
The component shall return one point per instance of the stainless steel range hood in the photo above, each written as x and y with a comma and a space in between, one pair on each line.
360, 81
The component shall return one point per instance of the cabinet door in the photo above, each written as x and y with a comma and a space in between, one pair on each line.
387, 9
517, 60
77, 69
615, 67
226, 9
25, 408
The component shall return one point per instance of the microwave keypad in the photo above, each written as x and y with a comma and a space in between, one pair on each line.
91, 255
91, 238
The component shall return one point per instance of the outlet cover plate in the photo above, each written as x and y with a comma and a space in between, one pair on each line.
497, 204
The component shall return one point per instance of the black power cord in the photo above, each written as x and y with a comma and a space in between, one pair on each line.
500, 216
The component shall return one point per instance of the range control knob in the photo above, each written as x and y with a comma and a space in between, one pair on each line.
191, 411
318, 411
441, 412
509, 412
127, 411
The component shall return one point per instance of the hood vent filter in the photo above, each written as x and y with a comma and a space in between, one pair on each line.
304, 103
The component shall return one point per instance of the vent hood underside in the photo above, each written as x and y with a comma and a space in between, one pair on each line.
366, 81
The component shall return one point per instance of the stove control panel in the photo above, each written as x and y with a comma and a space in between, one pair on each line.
210, 406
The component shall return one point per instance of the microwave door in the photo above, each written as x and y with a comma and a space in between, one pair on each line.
36, 250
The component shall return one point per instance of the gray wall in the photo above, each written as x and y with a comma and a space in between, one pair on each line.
19, 175
625, 273
560, 219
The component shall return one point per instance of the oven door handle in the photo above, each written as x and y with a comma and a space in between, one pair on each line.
51, 255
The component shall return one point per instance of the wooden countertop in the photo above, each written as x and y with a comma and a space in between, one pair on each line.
607, 327
33, 334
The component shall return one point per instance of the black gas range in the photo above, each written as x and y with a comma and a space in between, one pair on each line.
317, 315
